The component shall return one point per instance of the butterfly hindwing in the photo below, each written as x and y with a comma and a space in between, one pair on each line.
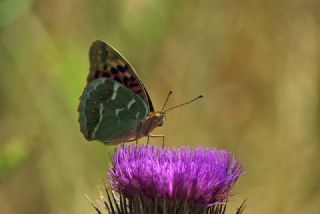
105, 61
109, 111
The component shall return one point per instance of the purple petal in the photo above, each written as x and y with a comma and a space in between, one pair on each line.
204, 176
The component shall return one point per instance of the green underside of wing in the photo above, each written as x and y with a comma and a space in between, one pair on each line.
109, 111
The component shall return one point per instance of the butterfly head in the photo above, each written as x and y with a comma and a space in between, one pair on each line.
158, 117
161, 116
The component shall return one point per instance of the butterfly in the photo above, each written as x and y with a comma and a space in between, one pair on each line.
115, 106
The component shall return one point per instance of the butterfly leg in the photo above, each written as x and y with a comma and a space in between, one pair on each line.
151, 135
139, 127
148, 139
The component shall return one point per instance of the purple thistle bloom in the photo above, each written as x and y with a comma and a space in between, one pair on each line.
203, 176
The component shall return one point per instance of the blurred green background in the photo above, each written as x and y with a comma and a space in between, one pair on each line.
256, 62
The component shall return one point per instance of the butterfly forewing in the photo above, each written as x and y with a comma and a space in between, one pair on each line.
105, 61
109, 111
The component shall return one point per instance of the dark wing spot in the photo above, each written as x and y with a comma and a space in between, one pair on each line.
105, 74
117, 79
120, 68
138, 91
126, 81
134, 84
114, 70
96, 74
132, 78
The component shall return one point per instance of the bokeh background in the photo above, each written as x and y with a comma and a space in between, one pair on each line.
256, 62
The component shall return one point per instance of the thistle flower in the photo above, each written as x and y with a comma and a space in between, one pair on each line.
148, 179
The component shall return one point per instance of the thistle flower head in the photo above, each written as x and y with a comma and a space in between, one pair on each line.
200, 176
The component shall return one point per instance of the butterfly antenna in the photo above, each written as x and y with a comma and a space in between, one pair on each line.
165, 103
184, 103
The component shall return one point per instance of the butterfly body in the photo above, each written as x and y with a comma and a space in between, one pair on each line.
145, 127
152, 121
115, 106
